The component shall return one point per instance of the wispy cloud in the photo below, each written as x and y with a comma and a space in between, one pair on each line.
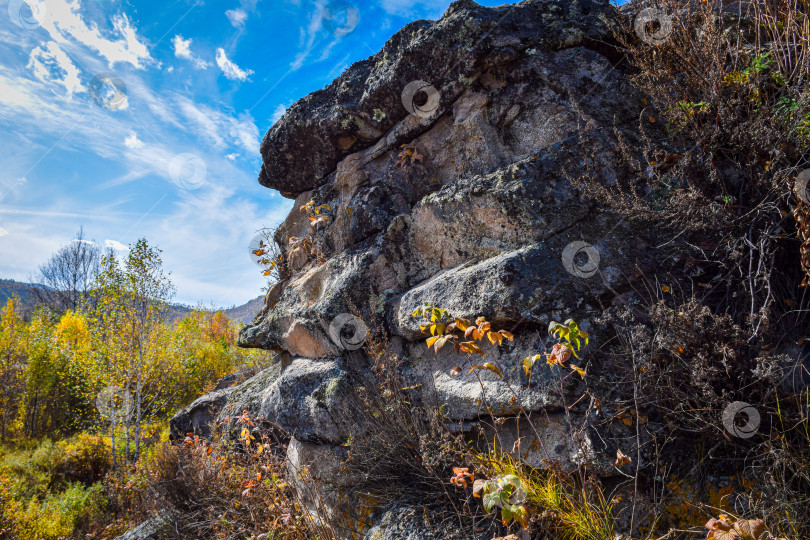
309, 34
218, 128
237, 17
63, 21
278, 113
231, 70
182, 49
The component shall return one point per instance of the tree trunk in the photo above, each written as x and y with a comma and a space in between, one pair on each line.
127, 424
112, 441
138, 388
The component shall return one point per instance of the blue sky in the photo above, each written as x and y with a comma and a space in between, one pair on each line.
144, 119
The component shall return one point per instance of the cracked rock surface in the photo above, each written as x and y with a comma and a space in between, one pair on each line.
476, 221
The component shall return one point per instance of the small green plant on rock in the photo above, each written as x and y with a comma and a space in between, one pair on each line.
507, 493
572, 339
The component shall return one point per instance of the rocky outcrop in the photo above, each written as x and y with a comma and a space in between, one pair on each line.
476, 215
364, 105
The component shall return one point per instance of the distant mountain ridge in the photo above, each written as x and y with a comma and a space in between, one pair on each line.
26, 292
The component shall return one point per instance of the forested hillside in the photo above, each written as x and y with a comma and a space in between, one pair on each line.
88, 389
28, 299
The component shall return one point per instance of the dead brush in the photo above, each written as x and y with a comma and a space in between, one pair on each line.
223, 492
688, 364
404, 452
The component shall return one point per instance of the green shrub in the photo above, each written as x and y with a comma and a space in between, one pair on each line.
82, 458
60, 514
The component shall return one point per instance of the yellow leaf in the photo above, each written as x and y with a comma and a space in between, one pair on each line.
431, 341
462, 324
529, 361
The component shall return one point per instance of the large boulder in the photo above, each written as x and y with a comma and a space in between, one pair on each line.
364, 104
464, 203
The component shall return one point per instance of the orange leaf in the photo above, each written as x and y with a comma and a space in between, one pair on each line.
578, 370
470, 347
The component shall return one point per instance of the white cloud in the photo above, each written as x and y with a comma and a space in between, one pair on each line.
182, 49
278, 113
132, 141
52, 65
28, 105
232, 157
3, 232
237, 17
231, 70
115, 244
63, 21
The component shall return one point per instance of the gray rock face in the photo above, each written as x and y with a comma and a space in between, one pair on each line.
303, 397
152, 528
478, 219
198, 417
408, 523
